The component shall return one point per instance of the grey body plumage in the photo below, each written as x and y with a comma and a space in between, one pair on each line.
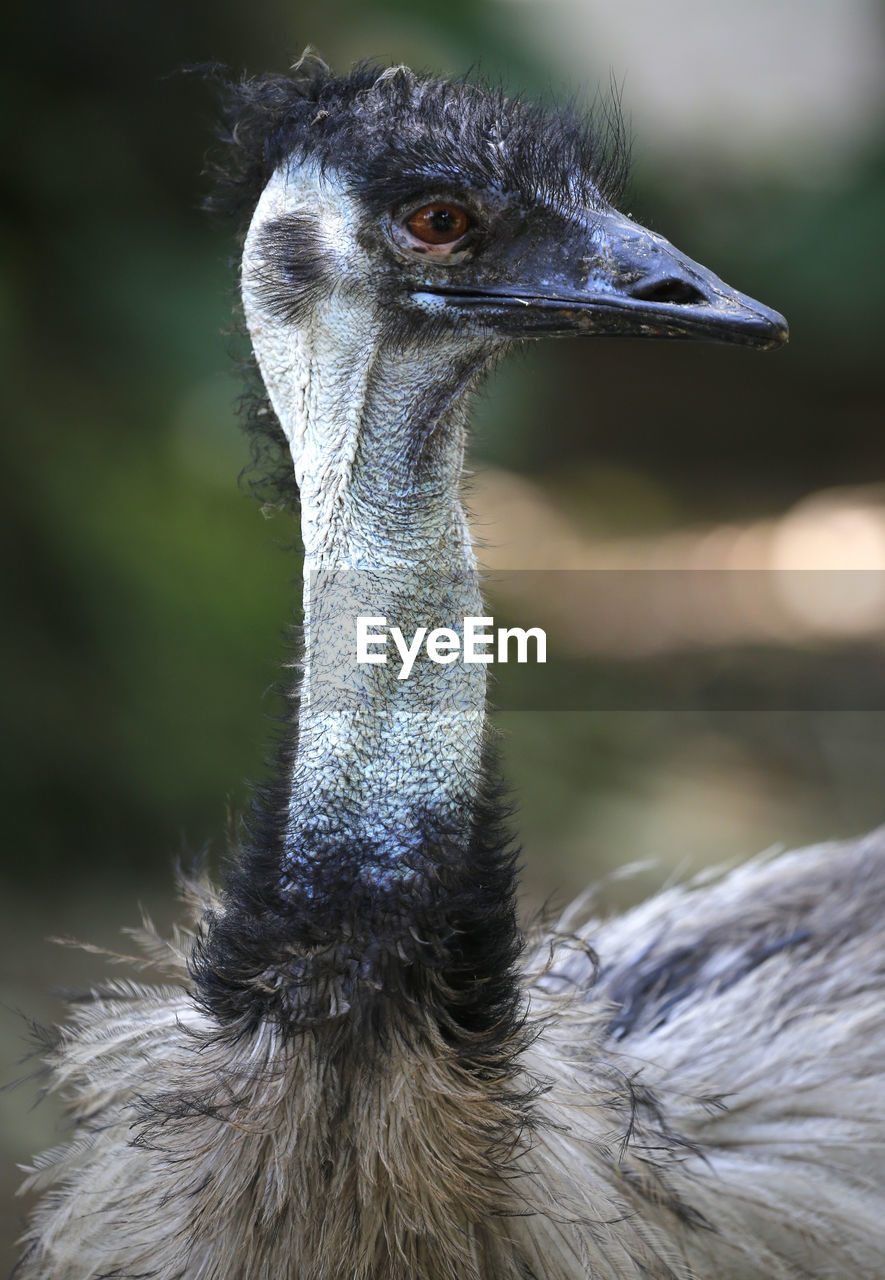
354, 1065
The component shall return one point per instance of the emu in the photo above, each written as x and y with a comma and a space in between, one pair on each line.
353, 1063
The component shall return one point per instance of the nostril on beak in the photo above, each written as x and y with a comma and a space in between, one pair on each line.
679, 292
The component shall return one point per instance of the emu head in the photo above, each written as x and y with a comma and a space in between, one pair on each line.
443, 221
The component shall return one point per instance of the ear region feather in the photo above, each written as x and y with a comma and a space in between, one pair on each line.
289, 267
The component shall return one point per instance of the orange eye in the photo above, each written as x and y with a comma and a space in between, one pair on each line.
439, 223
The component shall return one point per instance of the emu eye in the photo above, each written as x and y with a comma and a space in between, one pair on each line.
439, 224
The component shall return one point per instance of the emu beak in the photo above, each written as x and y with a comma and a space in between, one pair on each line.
614, 277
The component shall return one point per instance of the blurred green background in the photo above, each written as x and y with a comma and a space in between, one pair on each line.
147, 596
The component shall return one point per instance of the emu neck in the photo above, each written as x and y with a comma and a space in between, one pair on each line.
382, 879
382, 764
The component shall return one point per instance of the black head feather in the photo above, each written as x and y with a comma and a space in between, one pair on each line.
389, 129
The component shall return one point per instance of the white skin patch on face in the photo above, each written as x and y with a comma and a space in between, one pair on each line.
430, 302
287, 353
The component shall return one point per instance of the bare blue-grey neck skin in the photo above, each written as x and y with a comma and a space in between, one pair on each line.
376, 428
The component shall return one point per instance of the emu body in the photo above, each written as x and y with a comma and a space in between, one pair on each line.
354, 1064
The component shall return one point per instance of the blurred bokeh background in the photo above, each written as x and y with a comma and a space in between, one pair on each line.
147, 596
